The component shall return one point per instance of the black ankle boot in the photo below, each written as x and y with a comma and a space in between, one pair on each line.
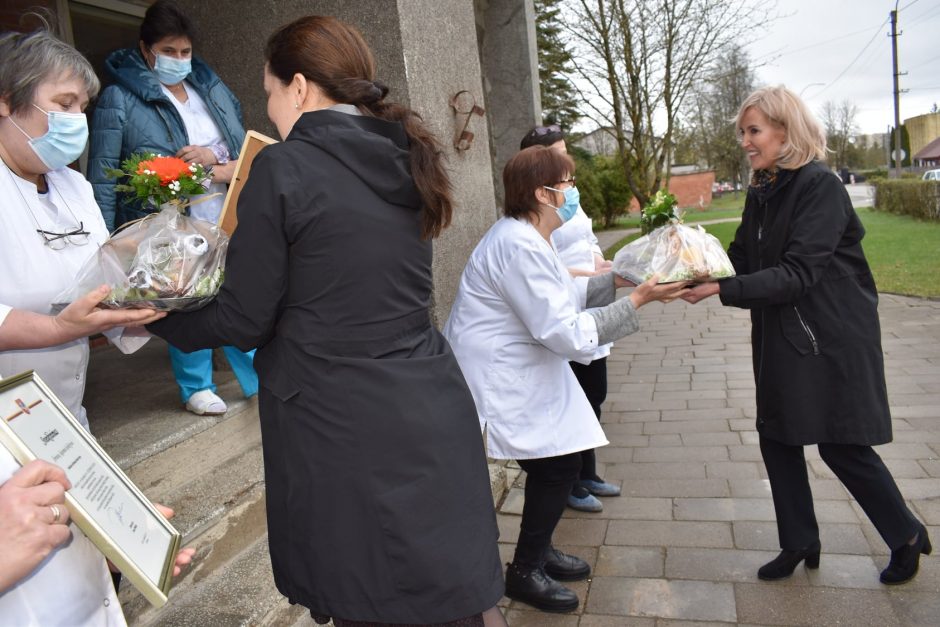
784, 564
563, 567
906, 560
531, 585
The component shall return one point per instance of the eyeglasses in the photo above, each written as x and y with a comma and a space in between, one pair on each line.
573, 180
545, 130
58, 241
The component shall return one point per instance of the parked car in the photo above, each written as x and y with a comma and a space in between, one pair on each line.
721, 188
850, 178
932, 175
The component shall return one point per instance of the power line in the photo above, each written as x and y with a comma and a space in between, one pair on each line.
922, 64
908, 4
777, 54
849, 66
929, 13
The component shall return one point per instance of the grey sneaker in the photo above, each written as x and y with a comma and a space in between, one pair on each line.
587, 503
600, 488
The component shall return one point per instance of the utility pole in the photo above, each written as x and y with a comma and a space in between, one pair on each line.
897, 94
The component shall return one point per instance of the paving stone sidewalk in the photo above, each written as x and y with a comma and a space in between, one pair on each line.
683, 543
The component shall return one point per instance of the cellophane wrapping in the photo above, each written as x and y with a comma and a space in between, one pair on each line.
166, 261
675, 252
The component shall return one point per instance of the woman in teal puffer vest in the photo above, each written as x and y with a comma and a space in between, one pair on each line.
166, 101
136, 115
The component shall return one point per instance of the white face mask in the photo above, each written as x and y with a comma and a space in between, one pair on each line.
170, 70
572, 201
65, 140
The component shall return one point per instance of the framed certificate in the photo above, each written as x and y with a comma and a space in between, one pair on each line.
103, 501
252, 145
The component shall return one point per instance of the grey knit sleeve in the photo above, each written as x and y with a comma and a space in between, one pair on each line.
615, 320
601, 290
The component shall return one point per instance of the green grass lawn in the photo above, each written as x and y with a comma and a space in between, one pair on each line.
904, 253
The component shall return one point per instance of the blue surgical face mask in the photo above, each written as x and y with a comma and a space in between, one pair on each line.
65, 140
170, 70
571, 204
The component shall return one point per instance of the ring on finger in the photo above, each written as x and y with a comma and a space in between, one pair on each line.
56, 513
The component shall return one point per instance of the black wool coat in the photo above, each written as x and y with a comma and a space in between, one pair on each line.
816, 338
378, 497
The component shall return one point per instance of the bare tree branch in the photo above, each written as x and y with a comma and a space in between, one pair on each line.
643, 59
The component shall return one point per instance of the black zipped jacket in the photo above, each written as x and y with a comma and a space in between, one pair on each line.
816, 338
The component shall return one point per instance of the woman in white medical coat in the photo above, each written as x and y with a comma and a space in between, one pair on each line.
517, 320
580, 252
50, 573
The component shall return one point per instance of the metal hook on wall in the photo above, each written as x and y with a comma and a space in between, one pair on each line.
464, 103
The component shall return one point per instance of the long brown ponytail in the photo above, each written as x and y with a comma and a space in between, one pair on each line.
334, 55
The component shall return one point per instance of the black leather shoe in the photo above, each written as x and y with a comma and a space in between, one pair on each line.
563, 567
906, 560
531, 585
784, 564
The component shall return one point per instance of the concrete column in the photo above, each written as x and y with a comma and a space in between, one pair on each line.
509, 57
440, 53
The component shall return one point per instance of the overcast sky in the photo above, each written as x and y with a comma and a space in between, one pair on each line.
834, 50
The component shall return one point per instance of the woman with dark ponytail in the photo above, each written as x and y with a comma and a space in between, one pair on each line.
378, 499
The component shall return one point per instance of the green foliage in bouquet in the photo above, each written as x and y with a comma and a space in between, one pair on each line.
660, 211
160, 179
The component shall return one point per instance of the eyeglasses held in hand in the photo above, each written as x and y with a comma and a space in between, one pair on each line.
58, 241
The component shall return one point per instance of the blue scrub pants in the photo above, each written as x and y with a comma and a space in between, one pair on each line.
193, 371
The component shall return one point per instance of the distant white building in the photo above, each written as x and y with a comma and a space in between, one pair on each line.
601, 141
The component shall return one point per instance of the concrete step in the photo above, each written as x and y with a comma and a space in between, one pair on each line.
208, 469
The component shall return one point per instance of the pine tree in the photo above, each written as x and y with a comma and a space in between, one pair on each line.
559, 99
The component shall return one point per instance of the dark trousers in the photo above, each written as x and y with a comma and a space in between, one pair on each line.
860, 470
547, 485
593, 380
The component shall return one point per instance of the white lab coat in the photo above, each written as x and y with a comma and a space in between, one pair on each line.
576, 245
516, 322
72, 586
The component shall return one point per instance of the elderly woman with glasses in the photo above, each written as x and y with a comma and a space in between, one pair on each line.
517, 321
49, 226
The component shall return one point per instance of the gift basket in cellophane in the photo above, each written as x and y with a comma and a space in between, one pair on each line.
165, 261
670, 249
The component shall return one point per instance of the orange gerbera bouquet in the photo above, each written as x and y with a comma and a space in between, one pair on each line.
159, 180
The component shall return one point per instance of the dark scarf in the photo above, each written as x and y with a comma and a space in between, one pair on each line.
765, 182
762, 181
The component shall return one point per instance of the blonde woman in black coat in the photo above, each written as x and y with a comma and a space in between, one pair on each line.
816, 338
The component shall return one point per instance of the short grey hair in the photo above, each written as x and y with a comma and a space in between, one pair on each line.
28, 59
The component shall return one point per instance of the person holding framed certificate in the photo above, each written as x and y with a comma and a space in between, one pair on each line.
49, 226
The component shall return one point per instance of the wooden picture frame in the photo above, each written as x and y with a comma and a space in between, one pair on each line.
103, 501
254, 142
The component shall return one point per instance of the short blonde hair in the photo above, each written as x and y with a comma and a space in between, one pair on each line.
805, 139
